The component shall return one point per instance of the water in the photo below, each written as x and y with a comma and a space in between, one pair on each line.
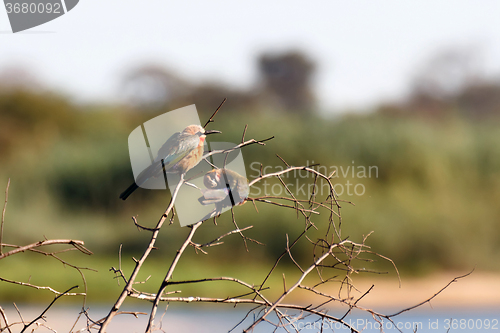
186, 318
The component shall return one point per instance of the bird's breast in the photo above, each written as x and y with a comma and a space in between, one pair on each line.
190, 160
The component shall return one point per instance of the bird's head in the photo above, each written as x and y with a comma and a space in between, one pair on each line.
212, 178
198, 130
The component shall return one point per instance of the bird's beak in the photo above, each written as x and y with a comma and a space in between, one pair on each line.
211, 132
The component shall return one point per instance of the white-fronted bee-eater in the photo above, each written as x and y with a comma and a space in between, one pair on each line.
180, 153
224, 188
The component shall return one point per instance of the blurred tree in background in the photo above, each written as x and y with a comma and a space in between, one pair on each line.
286, 80
453, 82
284, 85
152, 86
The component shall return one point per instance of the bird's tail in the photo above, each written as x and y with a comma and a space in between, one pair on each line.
129, 191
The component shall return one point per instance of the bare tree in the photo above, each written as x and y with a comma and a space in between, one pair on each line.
326, 275
333, 262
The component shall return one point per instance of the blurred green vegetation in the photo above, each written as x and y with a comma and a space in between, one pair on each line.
432, 203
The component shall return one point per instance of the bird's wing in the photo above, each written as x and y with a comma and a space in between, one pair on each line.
176, 148
213, 196
172, 151
168, 147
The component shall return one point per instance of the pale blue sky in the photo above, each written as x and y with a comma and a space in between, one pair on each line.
366, 50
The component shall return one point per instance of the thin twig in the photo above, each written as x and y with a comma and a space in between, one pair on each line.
243, 144
217, 240
19, 313
78, 244
40, 316
4, 316
141, 227
213, 115
3, 215
432, 297
244, 132
40, 287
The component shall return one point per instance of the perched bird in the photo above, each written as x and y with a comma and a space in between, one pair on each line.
182, 152
225, 188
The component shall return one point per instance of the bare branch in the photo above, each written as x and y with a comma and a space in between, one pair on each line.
210, 120
128, 287
169, 274
4, 316
244, 132
299, 281
19, 313
76, 243
3, 215
40, 316
140, 227
217, 240
433, 296
244, 301
40, 287
243, 144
